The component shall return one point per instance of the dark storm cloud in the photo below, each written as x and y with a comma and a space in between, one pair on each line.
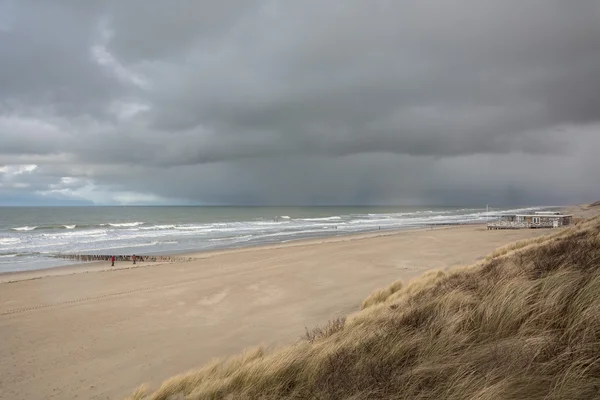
408, 79
158, 30
46, 58
312, 102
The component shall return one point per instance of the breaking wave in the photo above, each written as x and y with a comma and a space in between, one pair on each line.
124, 224
6, 241
334, 218
25, 228
76, 226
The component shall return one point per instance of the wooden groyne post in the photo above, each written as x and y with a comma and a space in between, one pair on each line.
119, 258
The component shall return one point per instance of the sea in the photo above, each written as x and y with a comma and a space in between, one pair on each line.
32, 237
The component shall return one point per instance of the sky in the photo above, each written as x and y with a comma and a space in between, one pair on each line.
263, 102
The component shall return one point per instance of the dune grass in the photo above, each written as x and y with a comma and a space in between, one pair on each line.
522, 324
381, 295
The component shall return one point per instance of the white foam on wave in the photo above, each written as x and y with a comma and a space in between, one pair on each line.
25, 228
158, 227
333, 218
70, 226
371, 221
264, 223
209, 227
231, 238
6, 241
196, 228
74, 234
290, 233
124, 224
8, 255
118, 245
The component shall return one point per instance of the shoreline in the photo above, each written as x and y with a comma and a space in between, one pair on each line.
73, 265
86, 267
158, 246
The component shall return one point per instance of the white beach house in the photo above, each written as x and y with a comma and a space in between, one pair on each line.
539, 219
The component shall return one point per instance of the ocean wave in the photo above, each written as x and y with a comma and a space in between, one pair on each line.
75, 233
196, 228
110, 247
158, 227
292, 233
24, 228
123, 224
372, 221
79, 226
232, 238
161, 242
5, 241
333, 218
13, 254
48, 227
8, 255
263, 223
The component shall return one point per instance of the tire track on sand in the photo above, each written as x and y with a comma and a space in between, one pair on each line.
128, 291
98, 297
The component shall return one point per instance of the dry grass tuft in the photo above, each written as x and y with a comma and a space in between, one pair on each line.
381, 295
139, 394
523, 324
321, 332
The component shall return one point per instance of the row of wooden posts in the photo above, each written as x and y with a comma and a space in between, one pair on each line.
96, 257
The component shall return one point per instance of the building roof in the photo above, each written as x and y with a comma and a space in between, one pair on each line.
541, 215
529, 216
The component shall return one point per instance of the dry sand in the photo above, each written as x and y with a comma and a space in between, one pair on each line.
95, 332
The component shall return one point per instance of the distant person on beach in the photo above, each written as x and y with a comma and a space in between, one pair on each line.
112, 261
133, 258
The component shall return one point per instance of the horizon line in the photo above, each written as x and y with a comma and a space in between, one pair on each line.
280, 206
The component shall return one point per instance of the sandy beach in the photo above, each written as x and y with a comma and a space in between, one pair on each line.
96, 332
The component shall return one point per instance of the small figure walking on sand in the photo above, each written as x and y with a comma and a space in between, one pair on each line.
133, 258
112, 261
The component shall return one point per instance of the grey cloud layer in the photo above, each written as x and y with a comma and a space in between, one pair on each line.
384, 101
